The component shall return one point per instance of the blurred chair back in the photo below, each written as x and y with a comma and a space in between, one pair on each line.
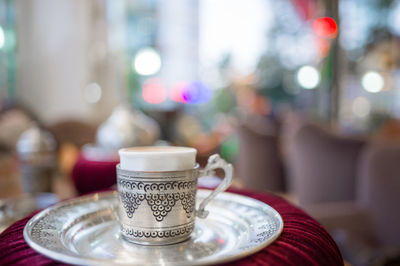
259, 165
73, 131
379, 190
13, 122
322, 165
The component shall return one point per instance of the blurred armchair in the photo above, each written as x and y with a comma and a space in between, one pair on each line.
322, 165
74, 132
379, 190
259, 165
351, 186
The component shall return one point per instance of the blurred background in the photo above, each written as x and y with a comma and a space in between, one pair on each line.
303, 96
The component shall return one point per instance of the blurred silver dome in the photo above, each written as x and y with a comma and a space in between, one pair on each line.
36, 151
127, 127
35, 140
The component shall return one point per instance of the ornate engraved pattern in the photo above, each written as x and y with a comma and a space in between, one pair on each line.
43, 232
158, 187
160, 196
160, 204
52, 232
131, 201
185, 230
267, 229
188, 202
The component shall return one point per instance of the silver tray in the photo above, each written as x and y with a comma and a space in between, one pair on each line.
85, 231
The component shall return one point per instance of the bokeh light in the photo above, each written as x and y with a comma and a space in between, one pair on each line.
196, 92
92, 93
308, 77
2, 40
147, 62
176, 92
393, 20
361, 107
372, 82
230, 148
325, 27
153, 91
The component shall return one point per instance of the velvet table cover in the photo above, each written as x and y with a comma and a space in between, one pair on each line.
89, 175
303, 241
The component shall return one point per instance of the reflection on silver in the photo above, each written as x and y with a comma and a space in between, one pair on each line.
85, 231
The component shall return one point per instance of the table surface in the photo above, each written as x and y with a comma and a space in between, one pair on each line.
303, 241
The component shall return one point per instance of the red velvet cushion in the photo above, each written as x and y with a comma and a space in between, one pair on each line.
89, 176
303, 241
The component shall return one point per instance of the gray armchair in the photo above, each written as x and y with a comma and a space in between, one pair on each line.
379, 190
322, 165
259, 165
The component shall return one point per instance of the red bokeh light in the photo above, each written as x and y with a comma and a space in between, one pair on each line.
176, 92
153, 91
325, 27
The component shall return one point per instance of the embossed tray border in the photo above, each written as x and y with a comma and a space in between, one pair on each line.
73, 258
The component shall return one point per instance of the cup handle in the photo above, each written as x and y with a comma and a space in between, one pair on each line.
215, 162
